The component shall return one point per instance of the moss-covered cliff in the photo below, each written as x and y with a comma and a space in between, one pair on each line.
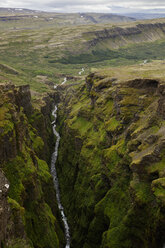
111, 162
28, 211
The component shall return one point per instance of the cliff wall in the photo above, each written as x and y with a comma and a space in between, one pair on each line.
116, 37
111, 162
29, 215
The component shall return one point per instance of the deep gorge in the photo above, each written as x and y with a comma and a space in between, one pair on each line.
110, 165
111, 161
82, 130
29, 211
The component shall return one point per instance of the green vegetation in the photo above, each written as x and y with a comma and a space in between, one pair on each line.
123, 56
111, 135
31, 195
111, 157
41, 53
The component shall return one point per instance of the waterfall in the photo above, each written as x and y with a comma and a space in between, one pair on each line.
82, 70
65, 80
55, 179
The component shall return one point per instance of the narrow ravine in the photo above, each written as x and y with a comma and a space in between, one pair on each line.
55, 177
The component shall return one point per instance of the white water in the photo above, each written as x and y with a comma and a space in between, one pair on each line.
65, 80
82, 70
55, 179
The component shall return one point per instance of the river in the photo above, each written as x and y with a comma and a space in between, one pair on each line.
55, 177
82, 70
54, 171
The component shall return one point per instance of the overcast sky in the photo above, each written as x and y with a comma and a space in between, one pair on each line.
108, 6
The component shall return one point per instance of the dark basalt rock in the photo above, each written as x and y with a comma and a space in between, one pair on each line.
143, 83
25, 141
118, 32
4, 206
23, 99
116, 176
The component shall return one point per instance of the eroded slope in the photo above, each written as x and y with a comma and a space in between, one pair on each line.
28, 209
111, 162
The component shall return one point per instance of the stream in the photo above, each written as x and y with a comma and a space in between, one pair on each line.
55, 177
82, 70
65, 78
54, 171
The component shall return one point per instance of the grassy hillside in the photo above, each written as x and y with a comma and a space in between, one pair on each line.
43, 48
59, 19
111, 158
40, 49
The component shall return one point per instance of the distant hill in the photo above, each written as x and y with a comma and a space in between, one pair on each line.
64, 18
142, 16
18, 10
106, 18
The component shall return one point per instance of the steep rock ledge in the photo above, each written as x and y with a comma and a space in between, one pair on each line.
28, 209
111, 162
118, 36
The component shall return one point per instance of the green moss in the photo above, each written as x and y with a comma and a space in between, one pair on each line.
19, 243
111, 201
25, 179
38, 144
115, 153
108, 108
40, 224
14, 175
93, 157
112, 124
82, 125
7, 126
96, 138
143, 192
38, 217
158, 186
15, 205
157, 167
3, 112
43, 171
137, 157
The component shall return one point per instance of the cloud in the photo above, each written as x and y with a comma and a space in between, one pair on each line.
86, 5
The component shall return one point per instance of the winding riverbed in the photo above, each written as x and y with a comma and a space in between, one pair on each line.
55, 177
54, 171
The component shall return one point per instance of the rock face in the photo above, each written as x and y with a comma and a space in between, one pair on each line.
118, 36
4, 206
111, 162
28, 209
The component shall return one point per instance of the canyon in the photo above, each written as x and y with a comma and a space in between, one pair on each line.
112, 158
82, 132
29, 212
110, 165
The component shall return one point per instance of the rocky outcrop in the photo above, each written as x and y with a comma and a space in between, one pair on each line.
13, 130
118, 36
23, 99
111, 162
28, 208
4, 206
8, 69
